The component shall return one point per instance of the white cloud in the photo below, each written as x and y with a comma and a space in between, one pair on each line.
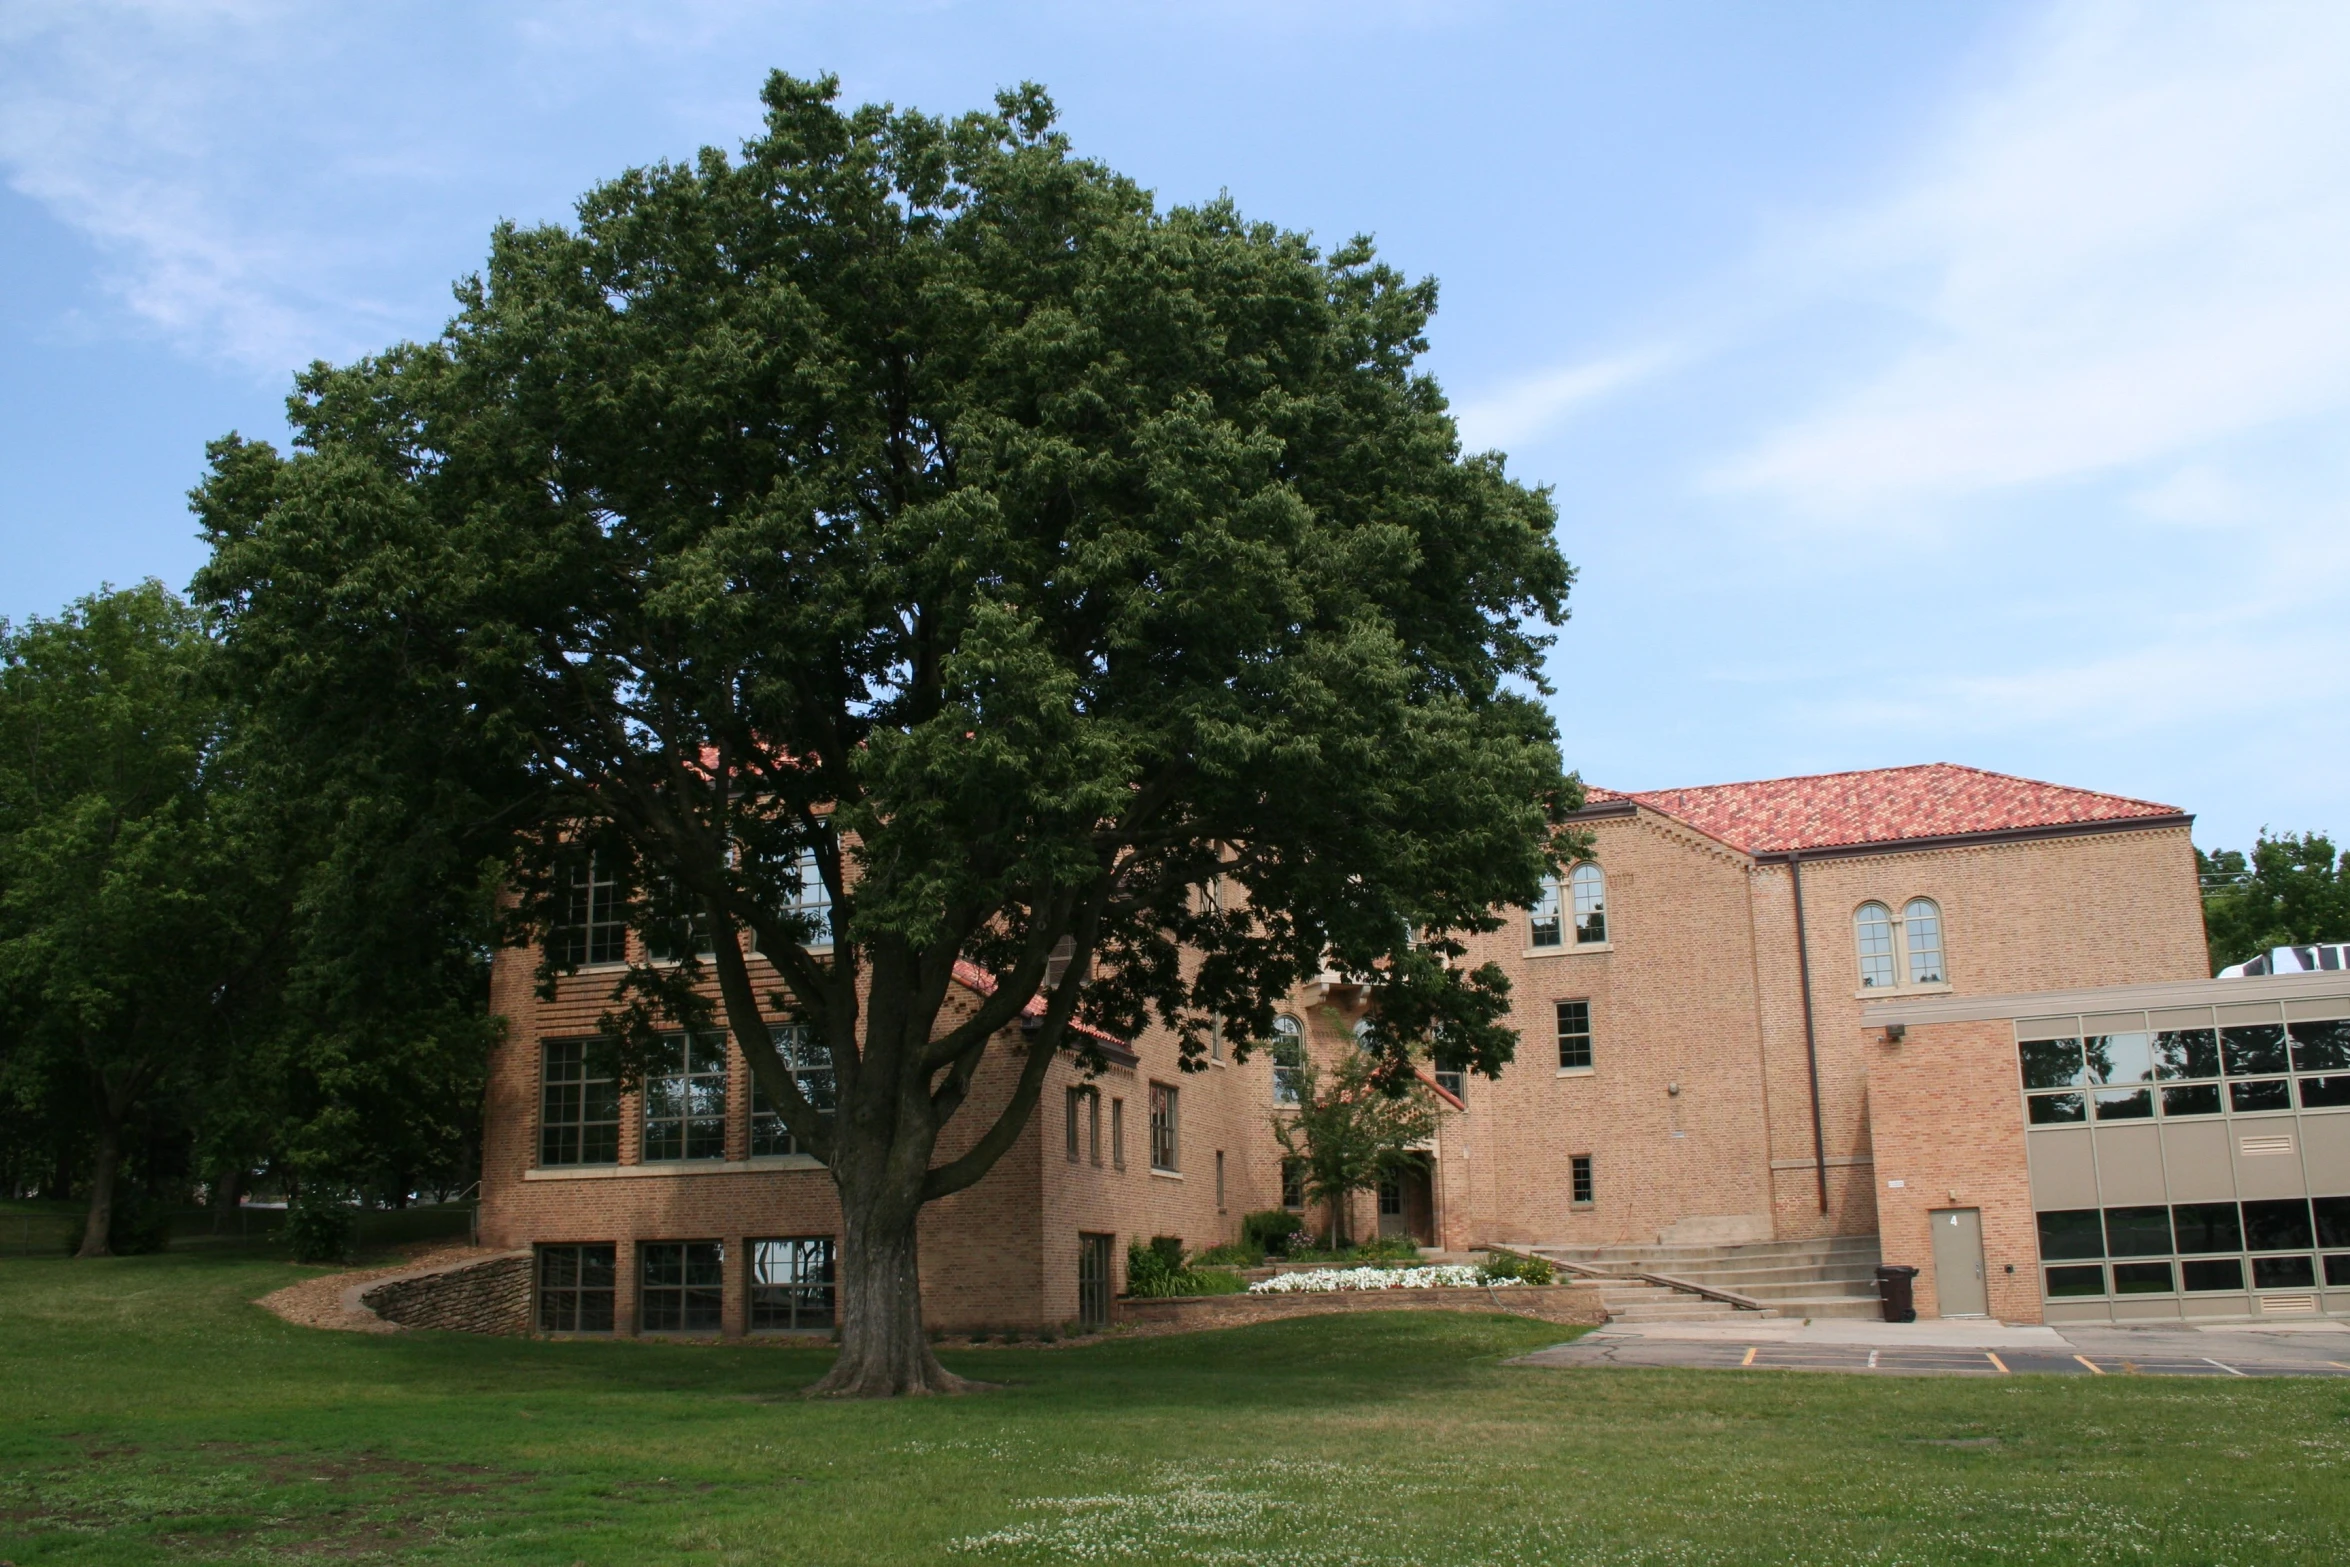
2139, 243
1524, 409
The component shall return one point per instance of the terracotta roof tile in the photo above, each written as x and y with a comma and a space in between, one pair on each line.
979, 981
1880, 805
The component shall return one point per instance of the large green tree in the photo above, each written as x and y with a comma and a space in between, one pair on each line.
2294, 889
910, 504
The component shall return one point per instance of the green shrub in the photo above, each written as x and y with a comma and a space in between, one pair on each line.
1500, 1265
1232, 1254
319, 1225
1209, 1281
135, 1228
1388, 1248
1269, 1230
1159, 1270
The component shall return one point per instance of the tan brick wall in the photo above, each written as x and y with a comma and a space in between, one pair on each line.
1951, 1130
1698, 991
1000, 1254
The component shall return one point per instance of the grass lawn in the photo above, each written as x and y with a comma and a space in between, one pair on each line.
149, 1412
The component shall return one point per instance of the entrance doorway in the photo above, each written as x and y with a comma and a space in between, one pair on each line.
1093, 1281
1407, 1201
1959, 1289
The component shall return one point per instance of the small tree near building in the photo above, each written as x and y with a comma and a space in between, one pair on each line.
2294, 889
1352, 1128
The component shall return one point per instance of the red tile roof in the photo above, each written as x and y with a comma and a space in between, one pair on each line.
1880, 805
979, 981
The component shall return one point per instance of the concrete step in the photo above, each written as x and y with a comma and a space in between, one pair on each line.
1840, 1308
1739, 1278
1829, 1246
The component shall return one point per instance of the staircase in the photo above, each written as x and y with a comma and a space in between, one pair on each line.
1807, 1279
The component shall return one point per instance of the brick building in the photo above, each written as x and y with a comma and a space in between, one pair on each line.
1703, 1011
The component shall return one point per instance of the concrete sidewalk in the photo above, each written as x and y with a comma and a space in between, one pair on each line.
1963, 1348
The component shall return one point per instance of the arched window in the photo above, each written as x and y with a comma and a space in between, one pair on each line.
1872, 933
1588, 885
1289, 1054
1921, 931
1542, 921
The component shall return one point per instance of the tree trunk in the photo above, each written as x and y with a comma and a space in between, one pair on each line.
884, 1352
102, 1182
228, 1191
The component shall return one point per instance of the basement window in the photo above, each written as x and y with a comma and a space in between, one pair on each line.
792, 1284
681, 1286
575, 1289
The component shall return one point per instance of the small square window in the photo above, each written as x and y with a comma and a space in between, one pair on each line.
2324, 1093
2142, 1278
2137, 1232
2076, 1281
2072, 1232
2283, 1273
575, 1289
2274, 1095
2213, 1273
2254, 1050
2186, 1053
2338, 1271
2207, 1226
2321, 1047
2191, 1099
2052, 1063
2333, 1220
2056, 1109
2277, 1225
1579, 1173
680, 1286
2124, 1104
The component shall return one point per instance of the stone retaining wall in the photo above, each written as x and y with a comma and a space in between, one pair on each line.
475, 1297
1574, 1305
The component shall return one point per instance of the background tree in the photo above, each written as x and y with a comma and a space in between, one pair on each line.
909, 510
1351, 1130
2294, 890
127, 950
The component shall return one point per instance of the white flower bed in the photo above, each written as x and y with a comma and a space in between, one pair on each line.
1443, 1275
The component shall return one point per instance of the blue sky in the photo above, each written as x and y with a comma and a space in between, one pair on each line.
1939, 381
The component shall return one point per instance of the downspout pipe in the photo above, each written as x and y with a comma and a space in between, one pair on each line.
1811, 1033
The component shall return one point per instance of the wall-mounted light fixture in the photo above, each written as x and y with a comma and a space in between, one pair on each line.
1895, 1033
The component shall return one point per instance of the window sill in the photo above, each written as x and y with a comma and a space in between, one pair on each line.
1584, 950
1578, 1071
1166, 1175
1892, 992
669, 1167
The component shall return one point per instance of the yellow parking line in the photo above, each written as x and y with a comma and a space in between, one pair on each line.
2338, 1363
1749, 1360
1995, 1360
2091, 1364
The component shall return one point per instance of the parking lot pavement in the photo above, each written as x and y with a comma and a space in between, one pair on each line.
1965, 1349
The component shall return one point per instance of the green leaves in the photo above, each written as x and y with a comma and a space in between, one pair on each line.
915, 495
2294, 890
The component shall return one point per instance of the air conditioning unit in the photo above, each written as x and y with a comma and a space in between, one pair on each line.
2325, 956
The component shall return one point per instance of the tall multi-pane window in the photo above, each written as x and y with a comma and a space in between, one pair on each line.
1587, 888
812, 900
1293, 1184
592, 923
1921, 930
575, 1289
1118, 1134
1542, 921
810, 1065
677, 924
1165, 1128
579, 1102
1579, 1174
1076, 1106
1219, 1180
791, 1284
1872, 935
681, 1286
1574, 1024
1289, 1057
685, 1099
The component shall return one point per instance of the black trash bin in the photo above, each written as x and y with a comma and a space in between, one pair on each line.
1895, 1293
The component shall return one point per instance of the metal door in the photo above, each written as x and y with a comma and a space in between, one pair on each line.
1093, 1281
1959, 1290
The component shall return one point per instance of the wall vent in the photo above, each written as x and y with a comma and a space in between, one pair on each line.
2253, 1147
2288, 1305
